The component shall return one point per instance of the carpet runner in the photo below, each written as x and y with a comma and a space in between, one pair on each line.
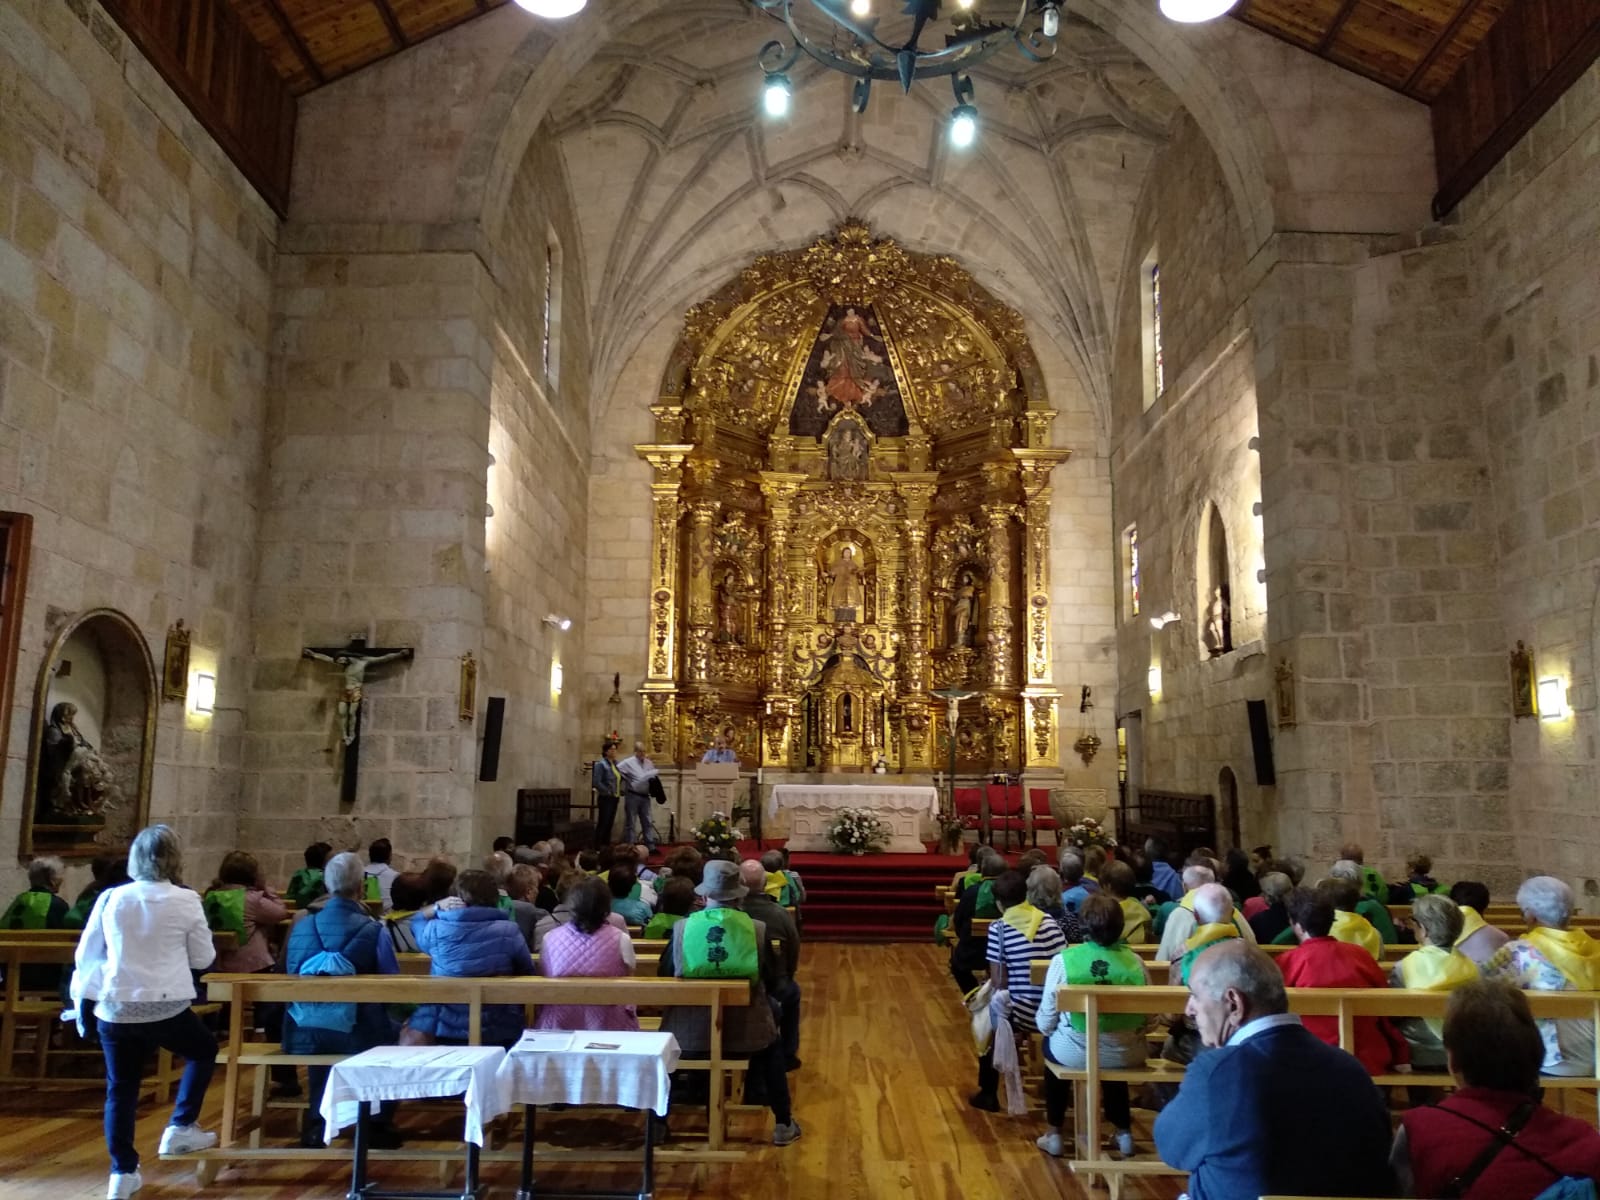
873, 897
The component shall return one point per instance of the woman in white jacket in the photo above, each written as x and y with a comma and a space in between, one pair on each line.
139, 945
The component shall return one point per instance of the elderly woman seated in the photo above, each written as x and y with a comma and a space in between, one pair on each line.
1103, 959
1551, 957
469, 934
590, 947
1479, 940
1495, 1049
1270, 923
1436, 967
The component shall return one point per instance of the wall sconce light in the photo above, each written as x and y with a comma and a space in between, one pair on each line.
204, 693
1153, 680
555, 622
1552, 699
555, 679
1167, 618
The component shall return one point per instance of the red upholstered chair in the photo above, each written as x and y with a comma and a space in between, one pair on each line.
1005, 811
1043, 818
969, 811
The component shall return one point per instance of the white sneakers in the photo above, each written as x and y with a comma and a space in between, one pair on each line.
185, 1139
124, 1186
1050, 1143
1124, 1142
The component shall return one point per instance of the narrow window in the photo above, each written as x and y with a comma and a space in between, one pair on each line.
550, 350
1153, 356
1130, 556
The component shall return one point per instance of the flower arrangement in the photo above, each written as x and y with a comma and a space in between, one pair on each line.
1089, 832
716, 834
858, 831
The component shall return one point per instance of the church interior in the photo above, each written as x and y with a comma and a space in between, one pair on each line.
1193, 427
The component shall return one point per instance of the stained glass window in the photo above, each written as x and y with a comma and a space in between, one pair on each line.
1155, 326
549, 306
1133, 570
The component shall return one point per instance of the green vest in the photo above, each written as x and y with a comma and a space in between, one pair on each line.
305, 885
1163, 912
225, 911
1088, 963
371, 889
1186, 963
1286, 938
986, 907
30, 910
79, 912
1373, 885
1438, 889
504, 905
1378, 915
719, 943
661, 924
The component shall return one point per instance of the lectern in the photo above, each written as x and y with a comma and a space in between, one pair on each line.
717, 782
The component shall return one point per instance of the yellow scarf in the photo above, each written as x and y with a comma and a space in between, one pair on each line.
1432, 969
1471, 922
1187, 901
1204, 935
1358, 931
1135, 921
1025, 919
1572, 952
774, 884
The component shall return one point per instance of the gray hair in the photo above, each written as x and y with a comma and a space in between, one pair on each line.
1044, 888
156, 855
1547, 900
991, 864
499, 865
45, 872
1066, 852
1197, 876
525, 856
343, 875
1347, 868
1439, 918
1276, 886
1212, 904
1237, 965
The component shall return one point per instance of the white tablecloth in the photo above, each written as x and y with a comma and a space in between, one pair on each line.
637, 1074
416, 1073
908, 811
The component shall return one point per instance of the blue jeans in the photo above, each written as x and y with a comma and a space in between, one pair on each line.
637, 808
126, 1047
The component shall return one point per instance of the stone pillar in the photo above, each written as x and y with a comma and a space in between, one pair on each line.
1040, 743
660, 687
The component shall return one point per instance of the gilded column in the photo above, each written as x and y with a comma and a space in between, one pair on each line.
917, 490
998, 514
779, 487
660, 687
1040, 699
702, 602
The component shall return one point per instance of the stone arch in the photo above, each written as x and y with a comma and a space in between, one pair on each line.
1198, 63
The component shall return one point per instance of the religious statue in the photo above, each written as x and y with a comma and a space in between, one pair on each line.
73, 779
729, 616
961, 613
854, 370
1217, 635
354, 659
847, 453
844, 587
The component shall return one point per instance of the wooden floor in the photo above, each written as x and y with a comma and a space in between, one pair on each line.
882, 1098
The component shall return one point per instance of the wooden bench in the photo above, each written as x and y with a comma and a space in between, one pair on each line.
526, 991
1344, 1004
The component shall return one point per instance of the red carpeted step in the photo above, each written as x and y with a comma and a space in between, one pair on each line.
872, 897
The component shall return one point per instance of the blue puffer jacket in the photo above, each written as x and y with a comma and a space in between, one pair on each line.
473, 942
345, 926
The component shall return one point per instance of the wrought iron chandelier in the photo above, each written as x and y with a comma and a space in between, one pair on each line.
847, 36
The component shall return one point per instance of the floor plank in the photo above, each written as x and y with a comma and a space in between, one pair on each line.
882, 1098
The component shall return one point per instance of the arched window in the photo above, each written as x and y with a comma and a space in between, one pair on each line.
1152, 351
550, 348
1215, 590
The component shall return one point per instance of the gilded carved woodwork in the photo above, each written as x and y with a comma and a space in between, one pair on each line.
851, 506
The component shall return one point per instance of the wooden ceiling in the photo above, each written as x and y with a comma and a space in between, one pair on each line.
313, 42
1412, 46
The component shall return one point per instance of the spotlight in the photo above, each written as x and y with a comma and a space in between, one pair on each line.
861, 8
1167, 618
553, 9
1552, 697
555, 622
775, 99
963, 126
205, 693
1191, 12
1051, 24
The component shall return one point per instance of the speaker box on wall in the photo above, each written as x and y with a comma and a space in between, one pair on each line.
493, 718
1260, 742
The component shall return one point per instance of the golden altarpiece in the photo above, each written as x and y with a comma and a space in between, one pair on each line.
851, 511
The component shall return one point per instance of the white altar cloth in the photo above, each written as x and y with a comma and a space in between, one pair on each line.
630, 1070
812, 807
416, 1073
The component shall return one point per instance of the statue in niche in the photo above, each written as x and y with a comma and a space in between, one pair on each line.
962, 623
73, 779
844, 580
848, 453
730, 609
1218, 634
846, 724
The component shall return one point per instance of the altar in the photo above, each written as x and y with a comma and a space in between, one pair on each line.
811, 807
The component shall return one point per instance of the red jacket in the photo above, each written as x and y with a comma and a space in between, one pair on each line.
1325, 963
1441, 1146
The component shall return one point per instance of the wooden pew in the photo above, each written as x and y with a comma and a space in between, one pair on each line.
1344, 1004
528, 991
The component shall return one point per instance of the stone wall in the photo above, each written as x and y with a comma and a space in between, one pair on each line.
135, 271
1189, 451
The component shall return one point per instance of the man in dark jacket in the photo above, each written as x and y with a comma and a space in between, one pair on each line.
971, 954
1272, 1110
341, 925
780, 926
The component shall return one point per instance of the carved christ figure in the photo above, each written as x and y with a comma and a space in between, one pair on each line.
354, 664
844, 588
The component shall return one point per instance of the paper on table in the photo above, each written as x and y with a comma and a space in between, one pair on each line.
535, 1040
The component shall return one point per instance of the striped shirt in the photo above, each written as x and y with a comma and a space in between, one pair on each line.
1016, 953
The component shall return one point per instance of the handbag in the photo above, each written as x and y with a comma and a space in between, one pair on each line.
1564, 1188
977, 1002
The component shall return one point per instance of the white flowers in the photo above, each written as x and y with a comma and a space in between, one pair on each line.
1089, 832
858, 831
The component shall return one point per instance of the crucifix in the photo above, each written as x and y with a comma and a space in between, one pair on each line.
353, 659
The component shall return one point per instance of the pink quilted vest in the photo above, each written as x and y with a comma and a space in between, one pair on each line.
568, 952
